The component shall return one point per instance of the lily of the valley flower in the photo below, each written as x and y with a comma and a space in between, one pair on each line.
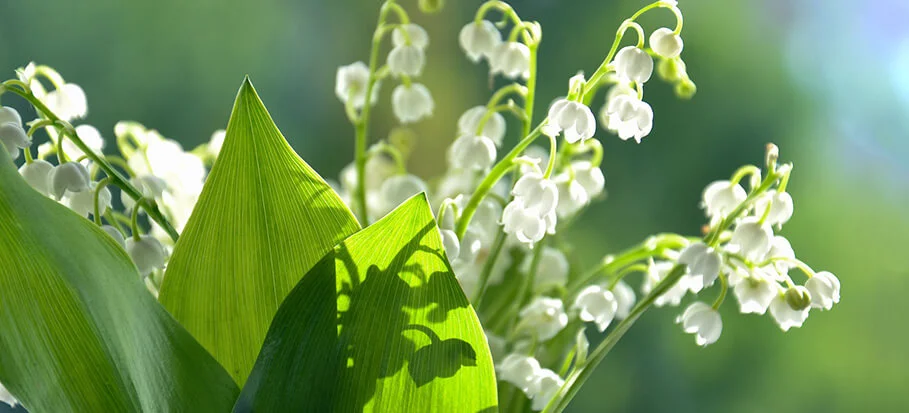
790, 309
479, 39
406, 60
721, 197
573, 119
36, 174
703, 265
472, 152
824, 288
755, 292
519, 370
545, 317
147, 253
780, 204
411, 103
545, 386
83, 203
415, 33
596, 304
397, 189
633, 63
115, 234
12, 136
494, 128
752, 238
703, 321
68, 102
666, 43
552, 270
70, 176
511, 59
630, 117
351, 82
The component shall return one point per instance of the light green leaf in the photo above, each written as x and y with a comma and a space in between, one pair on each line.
79, 331
379, 324
264, 218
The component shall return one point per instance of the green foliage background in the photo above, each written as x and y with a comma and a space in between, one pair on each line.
800, 75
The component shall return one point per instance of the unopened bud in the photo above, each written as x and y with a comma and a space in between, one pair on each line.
685, 89
431, 6
668, 69
772, 154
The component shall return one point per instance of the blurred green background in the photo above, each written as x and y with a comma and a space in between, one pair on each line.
828, 81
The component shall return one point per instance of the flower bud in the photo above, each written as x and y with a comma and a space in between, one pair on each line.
71, 176
685, 89
36, 174
634, 63
666, 43
798, 298
431, 6
668, 69
147, 253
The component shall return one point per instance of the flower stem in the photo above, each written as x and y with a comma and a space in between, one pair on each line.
577, 379
116, 178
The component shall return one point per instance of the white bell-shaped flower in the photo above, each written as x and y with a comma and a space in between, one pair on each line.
536, 192
785, 313
494, 128
411, 103
657, 272
824, 288
479, 39
754, 293
511, 59
630, 117
472, 152
10, 115
70, 176
397, 189
115, 234
6, 397
451, 244
36, 174
633, 63
752, 238
545, 317
150, 186
351, 83
666, 43
590, 177
524, 223
619, 89
624, 296
703, 265
721, 197
596, 304
552, 270
545, 386
83, 203
572, 196
519, 370
406, 60
574, 119
68, 102
779, 248
13, 137
780, 204
90, 136
415, 33
485, 221
147, 253
703, 321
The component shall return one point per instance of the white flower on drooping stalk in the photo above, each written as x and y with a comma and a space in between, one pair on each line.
479, 39
406, 60
722, 197
6, 397
630, 117
703, 321
415, 33
68, 177
545, 386
351, 83
68, 102
619, 89
752, 238
624, 296
494, 128
666, 43
780, 204
451, 244
90, 136
790, 308
657, 272
537, 192
83, 203
511, 59
782, 254
536, 155
572, 119
396, 190
754, 292
215, 143
519, 370
36, 174
596, 304
572, 196
633, 63
12, 135
824, 288
552, 270
147, 253
523, 222
545, 317
411, 103
590, 177
703, 265
472, 152
149, 186
115, 234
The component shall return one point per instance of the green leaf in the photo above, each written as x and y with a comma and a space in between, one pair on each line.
379, 324
264, 218
79, 331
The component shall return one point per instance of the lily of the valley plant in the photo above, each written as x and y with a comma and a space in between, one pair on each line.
138, 276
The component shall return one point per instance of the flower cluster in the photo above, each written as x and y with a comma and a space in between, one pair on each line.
72, 168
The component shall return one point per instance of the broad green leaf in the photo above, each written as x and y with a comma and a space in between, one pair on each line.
79, 331
264, 218
379, 324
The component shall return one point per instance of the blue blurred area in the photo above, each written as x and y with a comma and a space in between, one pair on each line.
828, 81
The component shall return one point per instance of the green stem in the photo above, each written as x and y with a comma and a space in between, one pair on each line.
101, 184
134, 222
577, 379
116, 178
490, 263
